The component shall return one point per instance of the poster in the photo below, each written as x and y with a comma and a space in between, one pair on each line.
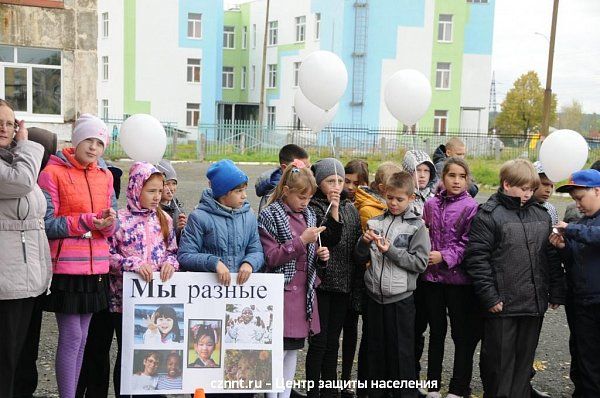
191, 332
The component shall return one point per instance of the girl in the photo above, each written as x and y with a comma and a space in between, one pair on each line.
357, 175
448, 216
288, 232
163, 327
80, 216
205, 341
337, 279
145, 243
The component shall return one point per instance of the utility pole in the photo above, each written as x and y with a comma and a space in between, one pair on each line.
261, 103
548, 91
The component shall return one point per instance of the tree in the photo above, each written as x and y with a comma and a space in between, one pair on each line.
522, 109
571, 116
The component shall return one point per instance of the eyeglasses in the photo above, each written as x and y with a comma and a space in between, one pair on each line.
9, 125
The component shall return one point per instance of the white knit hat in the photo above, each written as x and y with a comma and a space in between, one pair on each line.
89, 126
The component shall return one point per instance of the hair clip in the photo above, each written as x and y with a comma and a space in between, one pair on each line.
295, 170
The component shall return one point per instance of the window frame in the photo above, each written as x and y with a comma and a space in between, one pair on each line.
105, 25
271, 116
253, 78
444, 27
228, 73
300, 28
193, 67
105, 68
195, 23
243, 78
244, 37
296, 73
440, 74
317, 26
440, 122
105, 109
190, 112
272, 76
229, 37
273, 33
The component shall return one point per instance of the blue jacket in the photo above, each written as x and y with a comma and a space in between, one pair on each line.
582, 259
215, 233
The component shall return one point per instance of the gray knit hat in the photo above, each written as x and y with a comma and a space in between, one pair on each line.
165, 167
327, 167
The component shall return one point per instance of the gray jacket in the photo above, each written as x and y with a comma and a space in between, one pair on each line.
393, 276
25, 266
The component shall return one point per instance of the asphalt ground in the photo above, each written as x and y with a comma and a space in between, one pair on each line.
552, 357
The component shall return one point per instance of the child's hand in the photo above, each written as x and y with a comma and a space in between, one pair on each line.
333, 197
310, 235
166, 272
145, 272
497, 308
323, 253
244, 273
557, 240
151, 323
435, 257
370, 235
21, 131
107, 218
223, 274
383, 244
181, 221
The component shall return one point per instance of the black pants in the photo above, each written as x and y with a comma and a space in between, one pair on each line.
95, 370
391, 356
507, 354
16, 318
420, 325
587, 339
350, 333
322, 354
460, 303
574, 373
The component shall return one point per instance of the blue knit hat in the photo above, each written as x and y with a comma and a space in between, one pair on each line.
224, 176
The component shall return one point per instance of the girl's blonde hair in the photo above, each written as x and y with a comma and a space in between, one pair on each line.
162, 217
384, 171
299, 180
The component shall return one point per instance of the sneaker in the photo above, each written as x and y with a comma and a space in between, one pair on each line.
434, 394
452, 396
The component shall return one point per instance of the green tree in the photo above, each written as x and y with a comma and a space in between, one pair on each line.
522, 109
571, 116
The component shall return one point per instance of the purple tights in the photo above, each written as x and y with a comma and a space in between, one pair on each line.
72, 334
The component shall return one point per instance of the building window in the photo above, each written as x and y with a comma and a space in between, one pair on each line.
253, 78
194, 69
227, 77
300, 28
477, 1
34, 86
270, 116
243, 84
244, 37
273, 33
442, 75
297, 73
104, 67
192, 114
296, 122
104, 24
272, 68
253, 35
105, 109
194, 26
440, 121
317, 26
229, 37
445, 28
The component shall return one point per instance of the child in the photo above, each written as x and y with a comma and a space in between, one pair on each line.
357, 175
163, 327
288, 232
79, 219
398, 246
334, 292
447, 287
205, 340
516, 274
266, 183
422, 169
145, 243
172, 380
579, 244
455, 147
221, 234
168, 202
571, 213
544, 192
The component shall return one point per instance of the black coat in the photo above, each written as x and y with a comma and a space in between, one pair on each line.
510, 259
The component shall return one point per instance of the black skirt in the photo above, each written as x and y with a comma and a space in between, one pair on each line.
77, 294
291, 343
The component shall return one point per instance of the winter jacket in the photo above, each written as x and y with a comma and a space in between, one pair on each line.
214, 232
510, 259
74, 196
339, 273
392, 276
581, 257
369, 204
139, 239
439, 159
25, 266
265, 184
449, 221
412, 159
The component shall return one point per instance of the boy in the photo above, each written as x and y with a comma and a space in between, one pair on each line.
544, 192
422, 170
579, 245
397, 244
516, 274
453, 148
222, 233
267, 182
168, 202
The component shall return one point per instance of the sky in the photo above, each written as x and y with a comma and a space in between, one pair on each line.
518, 49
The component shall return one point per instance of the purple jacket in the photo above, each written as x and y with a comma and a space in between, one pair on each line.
449, 221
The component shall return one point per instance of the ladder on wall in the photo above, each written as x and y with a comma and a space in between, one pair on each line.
359, 55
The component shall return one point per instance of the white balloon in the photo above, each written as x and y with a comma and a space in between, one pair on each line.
408, 95
323, 78
311, 115
143, 138
562, 153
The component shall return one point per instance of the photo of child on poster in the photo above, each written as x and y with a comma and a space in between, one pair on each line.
157, 325
204, 343
248, 324
157, 370
247, 369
